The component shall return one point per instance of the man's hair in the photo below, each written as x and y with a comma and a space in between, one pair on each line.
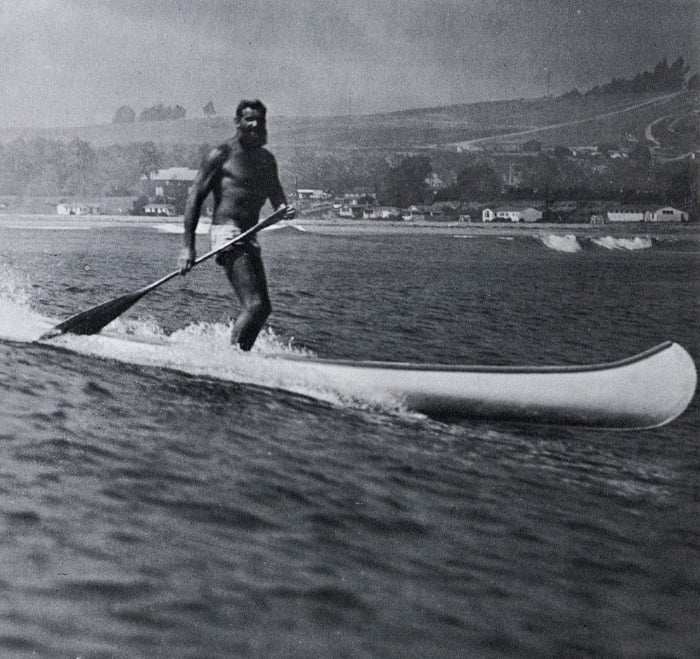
253, 105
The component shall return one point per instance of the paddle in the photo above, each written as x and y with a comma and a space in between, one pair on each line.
92, 320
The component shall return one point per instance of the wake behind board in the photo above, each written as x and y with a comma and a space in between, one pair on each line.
643, 391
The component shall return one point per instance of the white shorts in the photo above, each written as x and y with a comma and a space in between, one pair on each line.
220, 234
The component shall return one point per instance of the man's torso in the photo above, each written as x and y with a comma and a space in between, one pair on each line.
242, 186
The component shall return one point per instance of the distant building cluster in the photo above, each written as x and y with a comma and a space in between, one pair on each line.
361, 205
165, 192
65, 208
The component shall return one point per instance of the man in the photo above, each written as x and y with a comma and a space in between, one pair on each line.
241, 175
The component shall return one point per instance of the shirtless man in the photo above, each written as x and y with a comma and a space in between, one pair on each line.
241, 176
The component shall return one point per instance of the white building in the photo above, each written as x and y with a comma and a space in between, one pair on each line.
512, 213
312, 194
169, 186
419, 213
78, 209
663, 214
629, 215
668, 214
381, 213
165, 210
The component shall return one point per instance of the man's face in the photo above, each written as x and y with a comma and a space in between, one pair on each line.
251, 125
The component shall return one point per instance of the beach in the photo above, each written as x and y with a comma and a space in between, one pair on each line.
339, 226
349, 227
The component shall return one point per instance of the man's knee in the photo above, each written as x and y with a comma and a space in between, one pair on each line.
260, 309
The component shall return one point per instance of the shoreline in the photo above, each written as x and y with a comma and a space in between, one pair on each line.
374, 227
332, 226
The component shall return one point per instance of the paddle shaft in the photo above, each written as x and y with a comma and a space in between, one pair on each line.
268, 221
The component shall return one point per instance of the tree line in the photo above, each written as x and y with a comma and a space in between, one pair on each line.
40, 167
125, 114
664, 77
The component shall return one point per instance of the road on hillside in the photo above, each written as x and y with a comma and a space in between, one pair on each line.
658, 100
667, 124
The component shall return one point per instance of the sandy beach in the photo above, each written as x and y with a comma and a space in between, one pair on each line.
369, 227
337, 226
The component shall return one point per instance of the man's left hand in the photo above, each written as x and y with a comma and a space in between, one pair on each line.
290, 213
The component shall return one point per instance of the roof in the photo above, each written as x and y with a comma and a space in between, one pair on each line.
514, 209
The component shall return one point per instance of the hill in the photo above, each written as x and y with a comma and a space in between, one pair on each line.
566, 120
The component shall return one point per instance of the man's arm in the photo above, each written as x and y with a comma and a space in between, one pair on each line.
276, 193
198, 192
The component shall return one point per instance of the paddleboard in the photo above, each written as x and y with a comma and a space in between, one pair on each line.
646, 390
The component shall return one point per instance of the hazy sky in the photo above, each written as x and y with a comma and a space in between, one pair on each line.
74, 62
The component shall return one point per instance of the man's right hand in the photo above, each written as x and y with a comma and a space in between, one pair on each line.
186, 261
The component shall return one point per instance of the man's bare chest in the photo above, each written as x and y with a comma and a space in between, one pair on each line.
244, 171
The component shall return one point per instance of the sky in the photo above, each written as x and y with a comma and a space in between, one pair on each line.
74, 62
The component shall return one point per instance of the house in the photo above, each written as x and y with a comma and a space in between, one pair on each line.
584, 151
358, 196
421, 213
162, 210
169, 186
381, 213
350, 211
668, 214
77, 209
446, 207
628, 214
512, 213
312, 194
434, 182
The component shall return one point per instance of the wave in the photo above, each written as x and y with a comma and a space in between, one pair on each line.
631, 244
571, 244
200, 349
18, 322
567, 243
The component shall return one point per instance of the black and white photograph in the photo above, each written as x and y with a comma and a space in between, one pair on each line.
357, 329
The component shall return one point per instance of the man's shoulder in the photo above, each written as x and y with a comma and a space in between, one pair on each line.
267, 156
216, 157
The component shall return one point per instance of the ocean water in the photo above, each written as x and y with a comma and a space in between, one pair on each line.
148, 511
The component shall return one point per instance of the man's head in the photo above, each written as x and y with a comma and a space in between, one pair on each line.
251, 123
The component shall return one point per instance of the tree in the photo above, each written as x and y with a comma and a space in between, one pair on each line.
663, 78
162, 113
641, 153
405, 184
81, 161
477, 182
149, 158
209, 109
574, 93
124, 115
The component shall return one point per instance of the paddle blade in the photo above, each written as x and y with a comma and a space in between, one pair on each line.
92, 320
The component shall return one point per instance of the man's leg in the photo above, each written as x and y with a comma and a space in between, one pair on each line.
245, 271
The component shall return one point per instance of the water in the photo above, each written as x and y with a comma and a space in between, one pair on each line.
151, 512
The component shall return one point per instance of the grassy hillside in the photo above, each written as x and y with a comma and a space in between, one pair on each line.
566, 121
